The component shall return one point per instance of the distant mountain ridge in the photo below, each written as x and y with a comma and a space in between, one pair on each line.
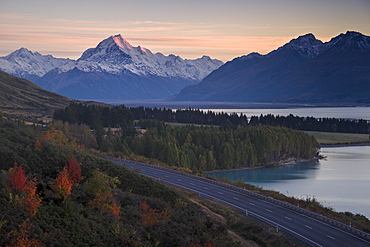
28, 65
305, 70
20, 95
112, 70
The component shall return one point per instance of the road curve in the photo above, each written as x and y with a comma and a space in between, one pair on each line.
311, 228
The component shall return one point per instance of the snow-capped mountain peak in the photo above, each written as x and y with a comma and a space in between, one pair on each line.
115, 55
22, 52
25, 63
121, 42
114, 68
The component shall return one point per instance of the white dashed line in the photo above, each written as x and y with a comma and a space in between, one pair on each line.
308, 226
330, 237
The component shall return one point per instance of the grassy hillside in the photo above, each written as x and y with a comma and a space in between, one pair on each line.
86, 219
20, 94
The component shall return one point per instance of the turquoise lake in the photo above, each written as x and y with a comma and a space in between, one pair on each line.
341, 181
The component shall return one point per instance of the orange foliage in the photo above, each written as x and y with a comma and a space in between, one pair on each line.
18, 183
56, 136
115, 209
152, 216
22, 238
104, 202
59, 137
63, 185
208, 244
74, 170
17, 179
31, 200
46, 136
38, 143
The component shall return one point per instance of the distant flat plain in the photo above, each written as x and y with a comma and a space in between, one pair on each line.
330, 138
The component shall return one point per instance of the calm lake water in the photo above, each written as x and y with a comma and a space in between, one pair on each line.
341, 181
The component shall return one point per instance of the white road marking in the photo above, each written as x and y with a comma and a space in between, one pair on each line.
178, 179
205, 188
308, 226
252, 204
330, 237
268, 210
220, 193
192, 184
236, 198
287, 218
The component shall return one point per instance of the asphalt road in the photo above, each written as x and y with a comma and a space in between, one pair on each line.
308, 227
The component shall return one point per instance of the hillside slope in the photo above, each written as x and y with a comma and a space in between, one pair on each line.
147, 213
22, 95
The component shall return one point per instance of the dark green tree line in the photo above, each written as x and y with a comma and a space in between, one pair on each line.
208, 148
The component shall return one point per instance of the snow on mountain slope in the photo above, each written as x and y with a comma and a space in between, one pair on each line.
115, 54
24, 62
113, 69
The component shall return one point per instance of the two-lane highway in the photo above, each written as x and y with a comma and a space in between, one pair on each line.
312, 230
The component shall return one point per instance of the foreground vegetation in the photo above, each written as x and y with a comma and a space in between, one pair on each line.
70, 197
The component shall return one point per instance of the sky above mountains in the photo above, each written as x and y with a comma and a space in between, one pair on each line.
192, 28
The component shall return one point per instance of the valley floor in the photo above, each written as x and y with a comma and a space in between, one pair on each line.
335, 138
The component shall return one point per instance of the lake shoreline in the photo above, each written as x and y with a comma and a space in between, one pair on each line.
293, 162
285, 163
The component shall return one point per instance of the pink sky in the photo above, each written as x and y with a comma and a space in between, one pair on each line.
190, 29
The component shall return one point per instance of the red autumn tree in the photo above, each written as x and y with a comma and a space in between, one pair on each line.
38, 143
63, 185
74, 170
152, 216
17, 179
104, 202
31, 199
197, 244
26, 190
100, 185
115, 209
22, 237
46, 136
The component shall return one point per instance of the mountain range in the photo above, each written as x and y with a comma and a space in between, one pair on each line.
305, 70
112, 70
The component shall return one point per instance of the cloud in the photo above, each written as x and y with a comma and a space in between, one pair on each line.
69, 38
